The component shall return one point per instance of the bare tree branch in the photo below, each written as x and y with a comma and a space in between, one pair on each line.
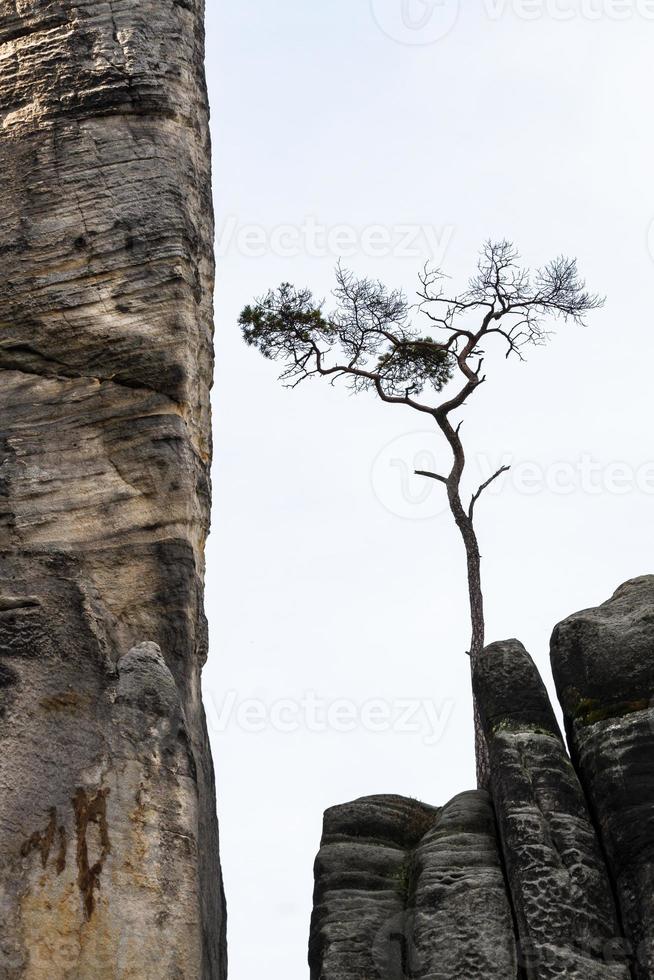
485, 486
432, 476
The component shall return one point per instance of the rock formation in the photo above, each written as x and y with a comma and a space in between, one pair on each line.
603, 663
406, 890
560, 889
563, 890
108, 835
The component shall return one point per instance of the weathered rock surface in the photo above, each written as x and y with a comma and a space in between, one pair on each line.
562, 897
108, 835
603, 664
407, 890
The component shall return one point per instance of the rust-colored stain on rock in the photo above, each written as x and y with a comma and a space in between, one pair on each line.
43, 841
90, 811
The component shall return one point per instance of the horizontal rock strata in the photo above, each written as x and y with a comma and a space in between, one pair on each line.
108, 835
460, 923
406, 890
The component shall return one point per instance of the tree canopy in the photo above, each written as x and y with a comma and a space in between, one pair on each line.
369, 339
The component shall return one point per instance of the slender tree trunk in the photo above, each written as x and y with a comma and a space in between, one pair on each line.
473, 561
466, 528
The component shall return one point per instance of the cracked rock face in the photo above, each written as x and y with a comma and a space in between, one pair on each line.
109, 843
603, 664
564, 908
407, 890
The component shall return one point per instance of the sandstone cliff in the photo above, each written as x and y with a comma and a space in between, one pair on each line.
548, 878
108, 835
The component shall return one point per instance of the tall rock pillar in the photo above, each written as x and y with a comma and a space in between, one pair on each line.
565, 912
108, 836
603, 664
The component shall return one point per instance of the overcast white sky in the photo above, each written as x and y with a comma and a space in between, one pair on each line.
331, 574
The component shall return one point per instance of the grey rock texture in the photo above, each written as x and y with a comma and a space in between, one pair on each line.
562, 897
603, 664
547, 878
407, 890
108, 836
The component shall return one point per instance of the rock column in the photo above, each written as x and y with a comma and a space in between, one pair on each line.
108, 835
565, 912
603, 663
408, 890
